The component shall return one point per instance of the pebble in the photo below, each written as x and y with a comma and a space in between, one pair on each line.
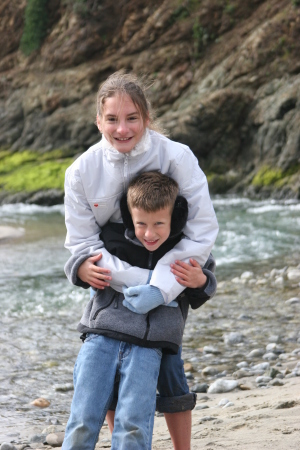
211, 349
228, 405
201, 406
40, 402
270, 347
293, 274
261, 366
223, 402
242, 364
38, 438
210, 371
55, 439
7, 446
276, 382
241, 373
293, 301
256, 353
64, 387
202, 387
222, 385
263, 379
270, 356
233, 338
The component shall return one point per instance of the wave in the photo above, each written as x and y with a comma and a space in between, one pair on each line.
13, 209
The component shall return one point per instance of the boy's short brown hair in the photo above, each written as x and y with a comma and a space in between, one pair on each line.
152, 191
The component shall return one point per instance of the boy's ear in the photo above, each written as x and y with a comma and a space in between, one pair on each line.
179, 215
125, 213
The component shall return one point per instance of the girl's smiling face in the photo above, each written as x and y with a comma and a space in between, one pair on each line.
121, 123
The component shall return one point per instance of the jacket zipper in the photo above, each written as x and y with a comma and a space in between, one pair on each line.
125, 172
150, 258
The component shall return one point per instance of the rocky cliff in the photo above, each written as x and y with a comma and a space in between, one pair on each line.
226, 81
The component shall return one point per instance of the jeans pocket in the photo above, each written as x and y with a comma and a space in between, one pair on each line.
158, 351
90, 336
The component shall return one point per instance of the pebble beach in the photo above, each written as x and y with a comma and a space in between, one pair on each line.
247, 378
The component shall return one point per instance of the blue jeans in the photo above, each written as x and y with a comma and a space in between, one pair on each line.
173, 391
100, 359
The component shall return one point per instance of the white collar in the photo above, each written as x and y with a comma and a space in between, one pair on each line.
141, 147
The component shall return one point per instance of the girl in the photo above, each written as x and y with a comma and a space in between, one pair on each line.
131, 144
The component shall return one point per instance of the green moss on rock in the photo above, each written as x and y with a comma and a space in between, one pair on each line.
267, 176
31, 171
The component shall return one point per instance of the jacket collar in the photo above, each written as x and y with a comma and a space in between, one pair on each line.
113, 155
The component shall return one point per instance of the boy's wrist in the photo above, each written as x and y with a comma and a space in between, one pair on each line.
203, 281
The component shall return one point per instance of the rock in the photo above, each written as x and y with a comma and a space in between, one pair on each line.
228, 405
223, 402
207, 419
64, 387
244, 387
261, 366
263, 379
293, 301
211, 349
256, 353
37, 438
275, 348
242, 364
210, 371
279, 281
7, 232
241, 373
233, 338
287, 404
201, 406
247, 275
199, 387
222, 385
270, 356
55, 439
293, 274
40, 402
276, 382
271, 372
7, 446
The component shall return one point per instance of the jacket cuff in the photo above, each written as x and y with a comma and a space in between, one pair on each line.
71, 268
198, 296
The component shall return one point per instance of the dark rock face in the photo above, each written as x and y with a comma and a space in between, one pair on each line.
226, 81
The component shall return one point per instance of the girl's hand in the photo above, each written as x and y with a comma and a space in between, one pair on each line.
93, 275
189, 275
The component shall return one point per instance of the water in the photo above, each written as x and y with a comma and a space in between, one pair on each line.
40, 309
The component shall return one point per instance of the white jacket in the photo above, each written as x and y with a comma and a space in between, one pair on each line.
94, 184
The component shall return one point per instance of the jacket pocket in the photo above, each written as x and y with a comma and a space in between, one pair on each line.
101, 300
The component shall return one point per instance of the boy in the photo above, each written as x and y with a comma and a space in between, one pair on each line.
117, 340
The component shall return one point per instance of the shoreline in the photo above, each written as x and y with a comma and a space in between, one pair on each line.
258, 418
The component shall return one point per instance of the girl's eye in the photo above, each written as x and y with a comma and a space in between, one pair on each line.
111, 119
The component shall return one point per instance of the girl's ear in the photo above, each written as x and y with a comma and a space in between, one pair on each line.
99, 123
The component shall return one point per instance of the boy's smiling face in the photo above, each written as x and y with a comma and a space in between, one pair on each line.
152, 228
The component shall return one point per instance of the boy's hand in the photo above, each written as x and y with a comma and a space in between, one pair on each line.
141, 299
189, 275
95, 276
